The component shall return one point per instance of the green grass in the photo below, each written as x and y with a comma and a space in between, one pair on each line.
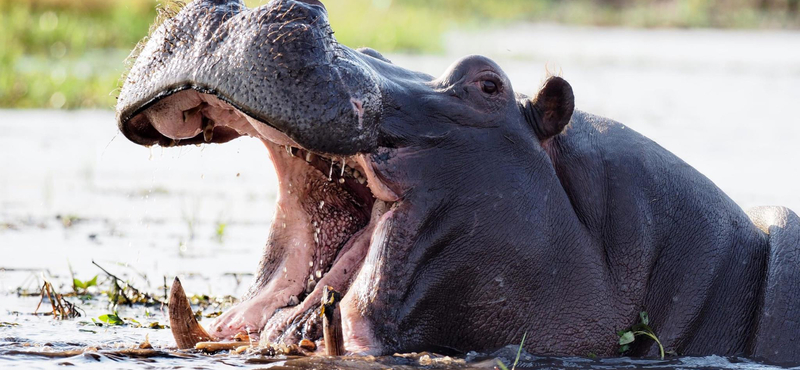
64, 55
70, 53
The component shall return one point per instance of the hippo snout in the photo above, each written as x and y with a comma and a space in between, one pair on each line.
279, 64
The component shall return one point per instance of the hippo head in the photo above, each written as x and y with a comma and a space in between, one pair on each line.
392, 183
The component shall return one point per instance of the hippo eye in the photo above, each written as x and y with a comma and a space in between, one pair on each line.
488, 86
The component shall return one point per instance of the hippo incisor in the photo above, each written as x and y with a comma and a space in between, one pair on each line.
454, 213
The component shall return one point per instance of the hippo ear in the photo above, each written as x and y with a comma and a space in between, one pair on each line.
373, 53
550, 111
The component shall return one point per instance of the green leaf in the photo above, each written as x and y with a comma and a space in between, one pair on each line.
624, 348
111, 319
84, 284
78, 284
644, 318
626, 338
519, 351
501, 365
156, 325
92, 282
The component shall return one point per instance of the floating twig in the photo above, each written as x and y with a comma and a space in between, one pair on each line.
120, 292
61, 308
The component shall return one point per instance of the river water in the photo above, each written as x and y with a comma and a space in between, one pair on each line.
73, 191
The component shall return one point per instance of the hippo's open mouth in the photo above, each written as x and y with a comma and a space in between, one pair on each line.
328, 209
217, 71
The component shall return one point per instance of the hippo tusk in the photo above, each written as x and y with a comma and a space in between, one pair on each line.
208, 129
185, 328
332, 322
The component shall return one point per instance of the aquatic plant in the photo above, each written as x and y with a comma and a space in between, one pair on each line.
61, 308
516, 360
642, 328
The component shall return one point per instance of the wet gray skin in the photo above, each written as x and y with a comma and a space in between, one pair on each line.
466, 214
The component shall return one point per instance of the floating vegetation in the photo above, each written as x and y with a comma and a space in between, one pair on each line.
502, 366
626, 337
68, 220
61, 308
81, 287
204, 301
219, 235
123, 292
156, 325
111, 319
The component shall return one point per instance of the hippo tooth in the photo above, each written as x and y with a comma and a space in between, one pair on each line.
289, 150
293, 301
341, 180
309, 156
344, 165
332, 322
185, 328
362, 180
208, 129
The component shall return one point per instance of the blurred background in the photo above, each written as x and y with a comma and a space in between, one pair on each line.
70, 53
715, 82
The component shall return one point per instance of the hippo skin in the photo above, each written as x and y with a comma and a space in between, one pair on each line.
453, 213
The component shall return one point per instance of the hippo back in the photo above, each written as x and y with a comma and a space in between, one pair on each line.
676, 245
778, 331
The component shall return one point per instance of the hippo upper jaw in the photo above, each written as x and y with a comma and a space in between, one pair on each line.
278, 64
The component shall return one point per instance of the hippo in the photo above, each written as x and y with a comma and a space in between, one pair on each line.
453, 213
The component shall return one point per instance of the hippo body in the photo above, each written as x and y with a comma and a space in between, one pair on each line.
676, 246
453, 213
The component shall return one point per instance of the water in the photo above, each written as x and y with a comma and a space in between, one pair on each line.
72, 190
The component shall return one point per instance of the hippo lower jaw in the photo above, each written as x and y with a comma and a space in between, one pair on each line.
329, 211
